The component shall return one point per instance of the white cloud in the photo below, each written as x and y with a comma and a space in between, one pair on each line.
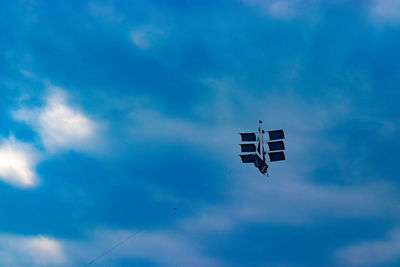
60, 126
17, 161
372, 253
24, 251
146, 37
385, 11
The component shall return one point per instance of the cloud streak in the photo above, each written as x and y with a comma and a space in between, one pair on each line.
385, 11
281, 9
383, 252
146, 37
296, 202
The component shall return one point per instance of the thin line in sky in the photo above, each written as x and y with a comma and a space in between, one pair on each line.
108, 251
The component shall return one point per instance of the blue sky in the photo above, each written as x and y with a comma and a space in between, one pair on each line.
113, 113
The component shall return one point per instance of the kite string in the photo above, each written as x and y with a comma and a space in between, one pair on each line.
120, 243
108, 251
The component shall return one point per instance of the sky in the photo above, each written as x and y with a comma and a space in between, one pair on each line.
119, 121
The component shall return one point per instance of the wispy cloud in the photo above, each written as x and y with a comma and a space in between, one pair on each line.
24, 251
280, 9
17, 162
146, 37
295, 202
60, 125
385, 11
383, 252
107, 12
151, 124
